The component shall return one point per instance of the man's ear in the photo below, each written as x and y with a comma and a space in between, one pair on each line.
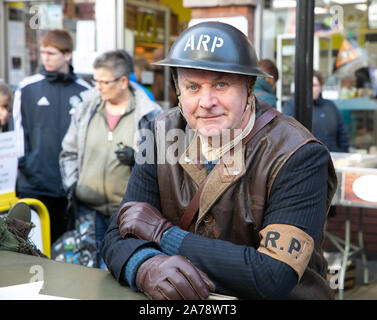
174, 74
67, 56
125, 81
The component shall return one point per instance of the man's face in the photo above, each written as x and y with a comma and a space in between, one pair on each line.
54, 60
109, 85
212, 101
4, 113
317, 88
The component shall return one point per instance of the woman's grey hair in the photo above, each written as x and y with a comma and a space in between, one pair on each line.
119, 62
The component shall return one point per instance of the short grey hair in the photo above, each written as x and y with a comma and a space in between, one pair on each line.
119, 62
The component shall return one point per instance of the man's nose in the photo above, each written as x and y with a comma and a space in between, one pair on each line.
207, 98
98, 86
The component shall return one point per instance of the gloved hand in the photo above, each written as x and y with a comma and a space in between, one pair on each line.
164, 277
143, 221
125, 155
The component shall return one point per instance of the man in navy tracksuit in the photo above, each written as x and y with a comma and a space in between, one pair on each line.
42, 111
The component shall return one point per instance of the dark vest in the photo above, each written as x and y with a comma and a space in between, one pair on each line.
232, 208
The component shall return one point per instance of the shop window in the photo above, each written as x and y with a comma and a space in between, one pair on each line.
27, 21
149, 31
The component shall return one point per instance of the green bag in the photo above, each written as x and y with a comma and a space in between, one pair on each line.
8, 240
14, 231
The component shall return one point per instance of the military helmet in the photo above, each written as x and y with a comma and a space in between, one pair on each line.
214, 46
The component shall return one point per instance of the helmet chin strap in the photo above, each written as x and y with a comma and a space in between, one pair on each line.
250, 102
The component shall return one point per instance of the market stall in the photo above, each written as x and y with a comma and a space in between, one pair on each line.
357, 187
357, 179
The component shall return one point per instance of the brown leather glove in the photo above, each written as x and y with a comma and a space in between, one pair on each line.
164, 277
141, 220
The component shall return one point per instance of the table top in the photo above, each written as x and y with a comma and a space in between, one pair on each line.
62, 279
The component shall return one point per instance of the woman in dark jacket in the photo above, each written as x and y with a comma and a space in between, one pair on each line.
328, 125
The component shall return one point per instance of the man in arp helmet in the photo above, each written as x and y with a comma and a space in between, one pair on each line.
242, 210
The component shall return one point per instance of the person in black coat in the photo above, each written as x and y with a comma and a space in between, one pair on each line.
328, 125
42, 109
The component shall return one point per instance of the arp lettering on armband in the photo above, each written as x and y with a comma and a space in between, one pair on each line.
288, 244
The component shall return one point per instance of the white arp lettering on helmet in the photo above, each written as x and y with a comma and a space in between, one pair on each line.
203, 40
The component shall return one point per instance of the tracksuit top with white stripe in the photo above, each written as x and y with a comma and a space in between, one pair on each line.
42, 110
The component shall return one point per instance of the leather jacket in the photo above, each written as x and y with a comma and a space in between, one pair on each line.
232, 206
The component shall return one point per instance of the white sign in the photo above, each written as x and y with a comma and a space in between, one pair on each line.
365, 187
82, 61
105, 26
85, 36
372, 14
50, 15
16, 54
8, 162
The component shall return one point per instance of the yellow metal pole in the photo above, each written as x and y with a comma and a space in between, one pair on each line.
45, 223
